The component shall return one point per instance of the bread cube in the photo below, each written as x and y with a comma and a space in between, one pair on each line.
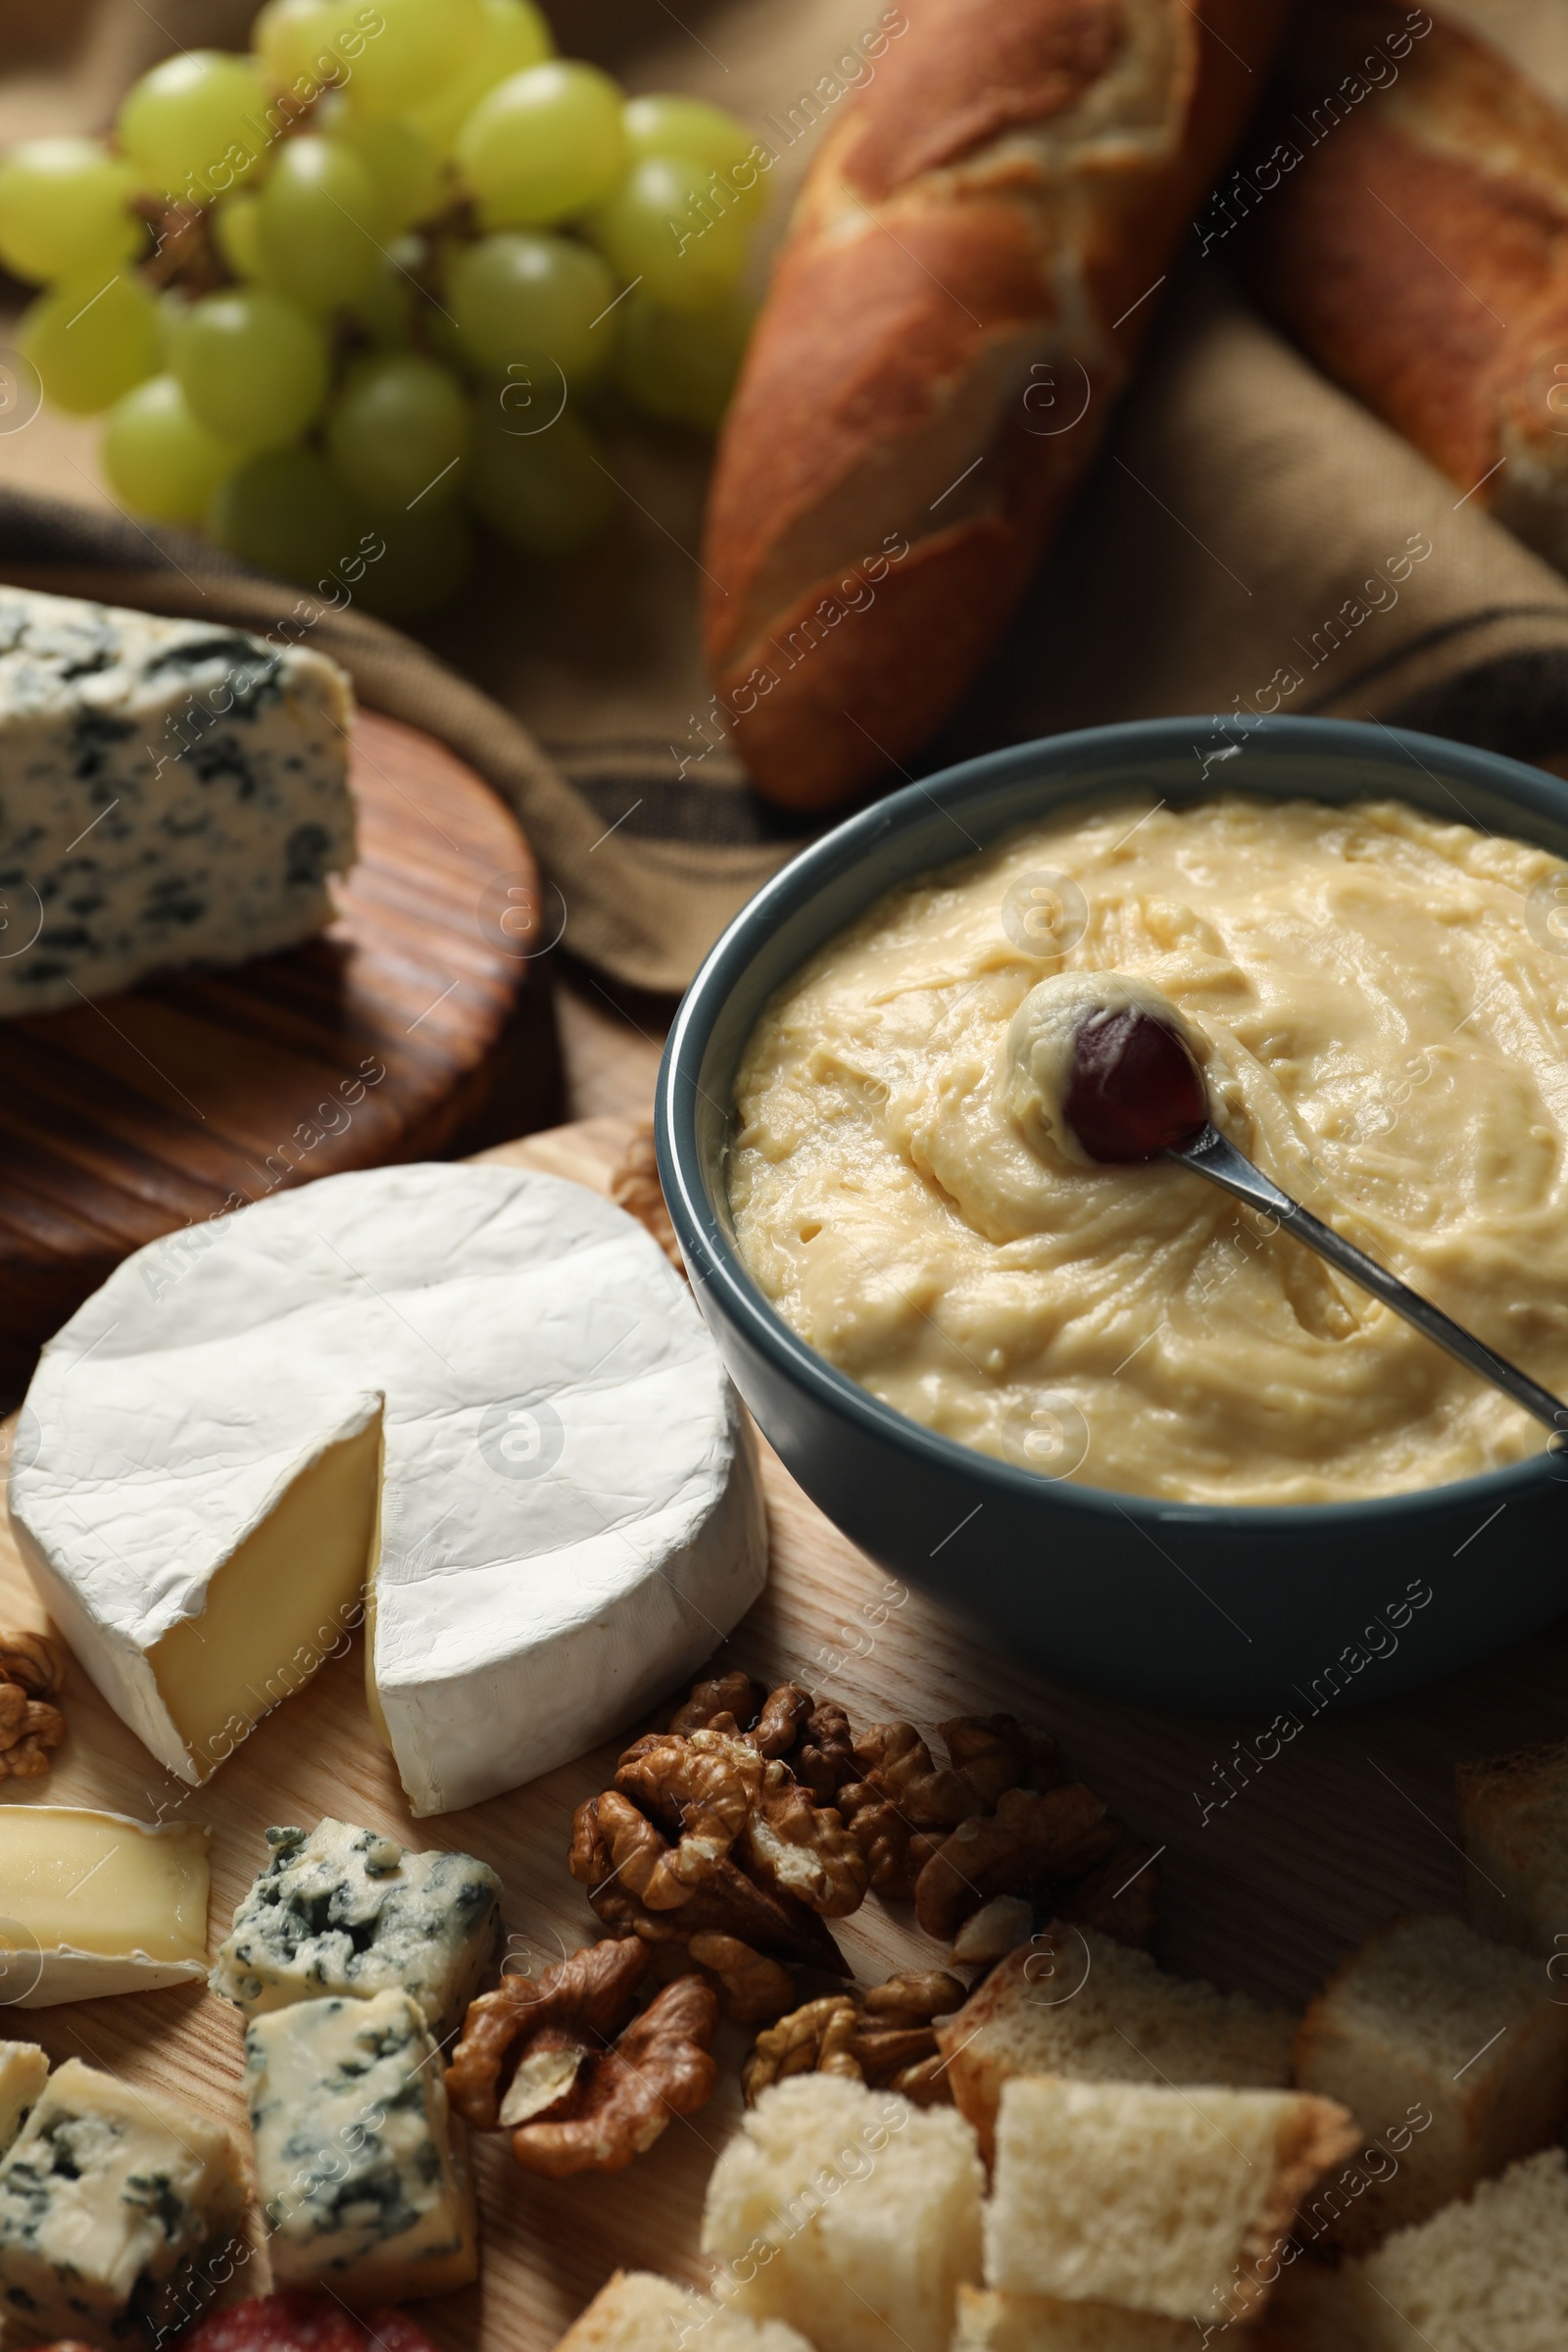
637, 2312
989, 2322
104, 2194
1488, 2274
23, 2071
1170, 2201
850, 2213
1453, 2053
362, 2171
1513, 1825
1076, 2002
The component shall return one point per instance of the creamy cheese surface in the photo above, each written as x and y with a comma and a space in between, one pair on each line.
1380, 1001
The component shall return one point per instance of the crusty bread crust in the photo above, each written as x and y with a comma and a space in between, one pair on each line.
960, 302
1418, 251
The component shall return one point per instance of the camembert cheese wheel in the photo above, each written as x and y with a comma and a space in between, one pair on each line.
473, 1405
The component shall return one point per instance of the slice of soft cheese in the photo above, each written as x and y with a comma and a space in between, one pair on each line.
484, 1383
23, 2071
95, 1902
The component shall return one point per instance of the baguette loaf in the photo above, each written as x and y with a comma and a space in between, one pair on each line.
1409, 227
973, 263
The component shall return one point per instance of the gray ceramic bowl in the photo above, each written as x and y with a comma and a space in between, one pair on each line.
1202, 1607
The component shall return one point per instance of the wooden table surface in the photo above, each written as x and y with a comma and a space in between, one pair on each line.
1352, 1821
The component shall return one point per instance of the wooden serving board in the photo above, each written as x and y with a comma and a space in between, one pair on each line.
411, 1029
1346, 1823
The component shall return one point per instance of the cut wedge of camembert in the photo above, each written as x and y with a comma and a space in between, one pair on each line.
477, 1396
97, 1903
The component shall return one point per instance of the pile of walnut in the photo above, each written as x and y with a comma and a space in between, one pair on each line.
725, 1844
884, 2035
1001, 1821
31, 1675
720, 1848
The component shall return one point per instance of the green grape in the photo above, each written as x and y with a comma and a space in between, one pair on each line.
664, 230
399, 430
64, 210
385, 311
174, 309
318, 224
682, 365
293, 38
253, 368
521, 294
543, 491
91, 343
158, 459
399, 51
427, 555
196, 124
288, 511
405, 169
515, 36
690, 127
542, 146
237, 232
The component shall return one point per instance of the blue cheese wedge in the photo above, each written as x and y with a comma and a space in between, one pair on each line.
170, 792
348, 1911
361, 2170
24, 2071
107, 2190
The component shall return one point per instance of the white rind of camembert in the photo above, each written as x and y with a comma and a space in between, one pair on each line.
172, 792
484, 1387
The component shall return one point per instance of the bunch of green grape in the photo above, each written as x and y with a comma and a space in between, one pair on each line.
382, 275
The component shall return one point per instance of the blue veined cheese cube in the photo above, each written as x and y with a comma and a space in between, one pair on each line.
361, 2168
170, 792
107, 2192
346, 1910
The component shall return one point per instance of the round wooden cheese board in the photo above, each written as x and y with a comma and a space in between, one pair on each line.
419, 1026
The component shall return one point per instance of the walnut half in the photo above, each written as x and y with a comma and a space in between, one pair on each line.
587, 2085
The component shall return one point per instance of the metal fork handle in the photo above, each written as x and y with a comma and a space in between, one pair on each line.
1210, 1154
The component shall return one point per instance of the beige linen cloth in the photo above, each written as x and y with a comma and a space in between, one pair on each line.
1248, 541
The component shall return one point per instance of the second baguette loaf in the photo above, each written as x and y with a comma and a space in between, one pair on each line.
1410, 230
973, 263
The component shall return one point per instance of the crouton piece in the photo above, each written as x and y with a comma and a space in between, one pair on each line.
1453, 2053
989, 2322
1169, 2201
1075, 2002
1513, 1825
1488, 2274
637, 2312
850, 2213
